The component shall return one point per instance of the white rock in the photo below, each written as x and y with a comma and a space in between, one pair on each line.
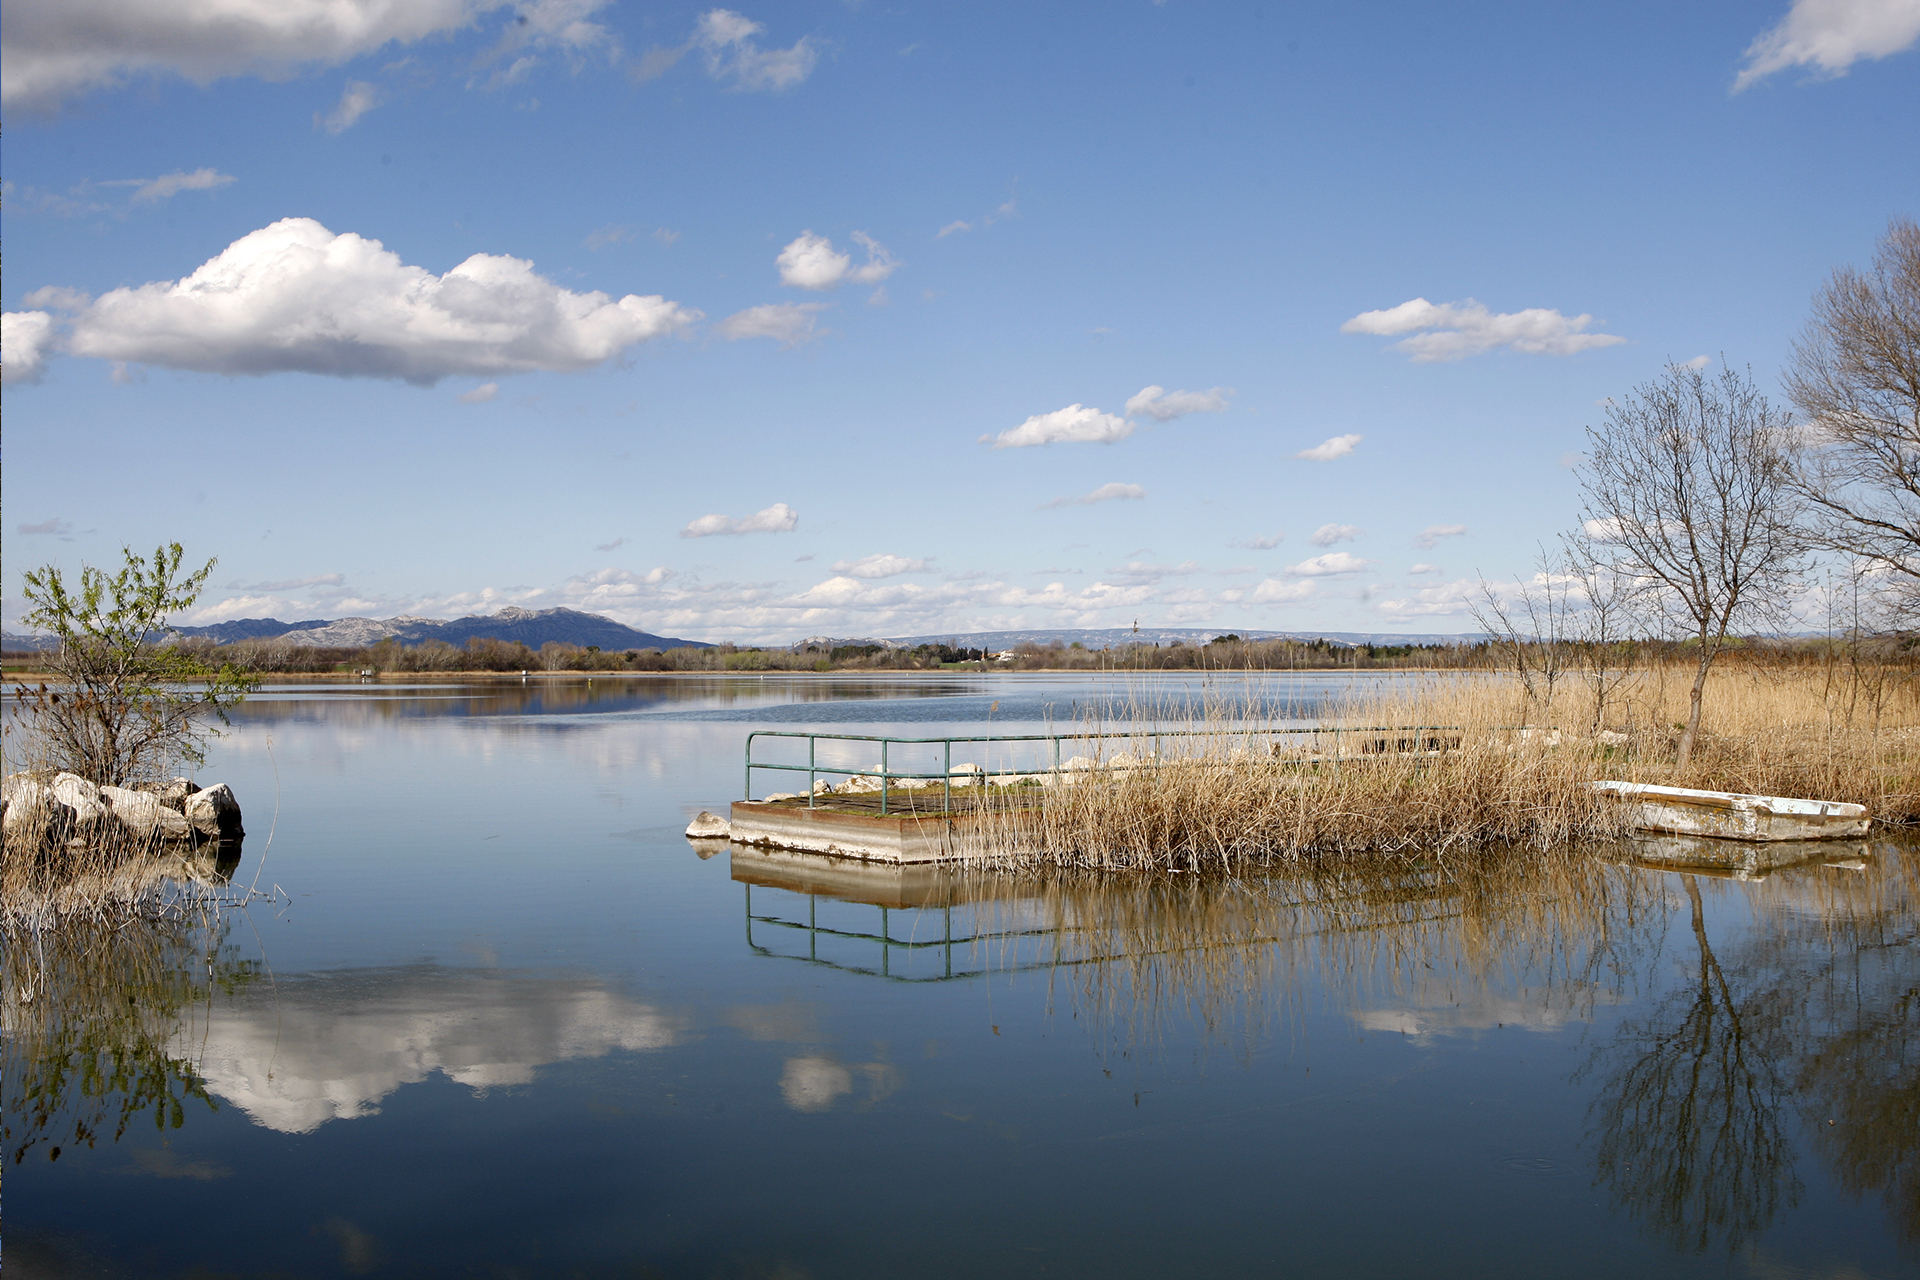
32, 810
214, 812
142, 813
173, 792
81, 796
708, 824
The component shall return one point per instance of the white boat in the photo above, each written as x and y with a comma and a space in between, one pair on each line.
1728, 815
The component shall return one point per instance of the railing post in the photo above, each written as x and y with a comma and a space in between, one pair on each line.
947, 787
812, 786
749, 794
884, 779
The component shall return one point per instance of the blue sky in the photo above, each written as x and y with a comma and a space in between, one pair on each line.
848, 319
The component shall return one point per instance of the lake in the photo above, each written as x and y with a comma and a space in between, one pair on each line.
501, 1019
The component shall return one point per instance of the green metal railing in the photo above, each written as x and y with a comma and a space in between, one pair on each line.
1367, 735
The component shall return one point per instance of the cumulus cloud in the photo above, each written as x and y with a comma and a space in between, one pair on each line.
1328, 534
480, 394
358, 98
1421, 569
1275, 591
1105, 493
1434, 532
879, 566
1328, 450
1329, 565
788, 323
1698, 362
1830, 36
168, 185
295, 297
1261, 544
1075, 424
26, 340
778, 518
811, 262
58, 49
1429, 602
1455, 330
1163, 405
733, 55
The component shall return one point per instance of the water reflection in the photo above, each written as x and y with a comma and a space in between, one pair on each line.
332, 1045
1802, 1023
1809, 1012
91, 1014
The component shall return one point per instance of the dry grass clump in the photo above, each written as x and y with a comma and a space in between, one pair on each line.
1491, 766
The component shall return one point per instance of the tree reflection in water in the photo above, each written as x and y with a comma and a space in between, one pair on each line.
91, 1009
1808, 1012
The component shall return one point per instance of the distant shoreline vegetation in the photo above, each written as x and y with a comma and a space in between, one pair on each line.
484, 655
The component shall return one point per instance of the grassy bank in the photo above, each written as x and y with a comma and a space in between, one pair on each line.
1514, 769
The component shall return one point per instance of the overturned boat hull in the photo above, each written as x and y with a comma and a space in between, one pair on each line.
1730, 815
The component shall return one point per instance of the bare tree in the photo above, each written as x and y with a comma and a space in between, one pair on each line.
1856, 379
1688, 485
1603, 629
1528, 625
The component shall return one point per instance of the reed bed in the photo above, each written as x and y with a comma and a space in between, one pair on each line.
1489, 764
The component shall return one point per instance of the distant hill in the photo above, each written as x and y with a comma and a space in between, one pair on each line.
1109, 637
531, 628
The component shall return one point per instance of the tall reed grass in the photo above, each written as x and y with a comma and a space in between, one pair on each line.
1495, 765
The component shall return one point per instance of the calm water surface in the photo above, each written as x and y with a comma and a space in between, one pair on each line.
505, 1021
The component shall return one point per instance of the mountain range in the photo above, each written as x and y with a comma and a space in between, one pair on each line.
571, 626
529, 627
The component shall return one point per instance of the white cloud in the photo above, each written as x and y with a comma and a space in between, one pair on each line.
1164, 406
811, 262
358, 98
1698, 362
1453, 598
1328, 534
1075, 424
1831, 35
1457, 330
480, 394
26, 340
1432, 534
665, 235
1334, 562
168, 185
788, 323
1274, 591
879, 566
1261, 544
1426, 569
57, 49
543, 26
732, 54
612, 233
1105, 493
953, 228
778, 518
1328, 450
295, 297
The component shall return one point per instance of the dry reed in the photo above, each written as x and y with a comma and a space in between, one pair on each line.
1493, 767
